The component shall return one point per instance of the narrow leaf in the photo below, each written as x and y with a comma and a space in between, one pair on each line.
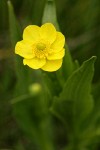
75, 102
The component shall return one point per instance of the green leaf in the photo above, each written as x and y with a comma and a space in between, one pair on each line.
24, 75
75, 102
32, 116
93, 120
49, 14
15, 30
68, 65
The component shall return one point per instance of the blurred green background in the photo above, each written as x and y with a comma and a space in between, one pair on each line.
79, 22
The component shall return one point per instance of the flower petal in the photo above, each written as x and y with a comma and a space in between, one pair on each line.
24, 49
58, 55
34, 63
59, 42
52, 65
48, 32
31, 33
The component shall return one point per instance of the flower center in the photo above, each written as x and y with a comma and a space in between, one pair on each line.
41, 49
41, 46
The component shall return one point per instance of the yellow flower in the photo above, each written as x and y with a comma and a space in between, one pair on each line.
42, 47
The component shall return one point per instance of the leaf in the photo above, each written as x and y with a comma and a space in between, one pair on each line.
68, 65
75, 102
32, 116
15, 30
24, 75
50, 9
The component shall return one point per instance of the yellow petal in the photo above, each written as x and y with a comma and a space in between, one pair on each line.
48, 32
24, 49
52, 65
59, 42
31, 33
58, 55
34, 63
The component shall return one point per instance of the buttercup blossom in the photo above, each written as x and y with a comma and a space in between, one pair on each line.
42, 47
